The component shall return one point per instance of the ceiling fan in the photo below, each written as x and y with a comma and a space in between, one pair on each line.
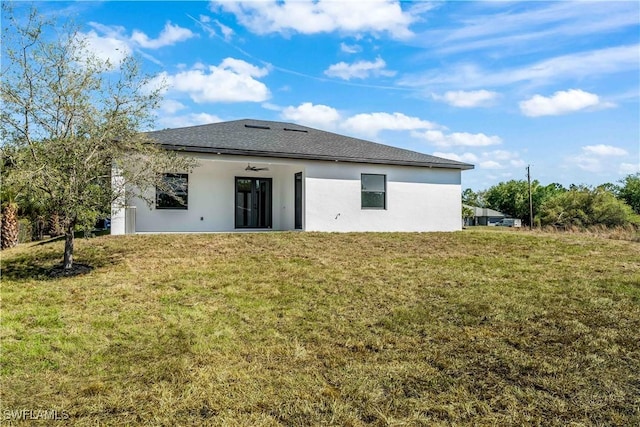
254, 168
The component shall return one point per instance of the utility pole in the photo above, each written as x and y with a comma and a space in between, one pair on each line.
530, 198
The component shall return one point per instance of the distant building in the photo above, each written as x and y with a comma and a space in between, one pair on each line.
483, 216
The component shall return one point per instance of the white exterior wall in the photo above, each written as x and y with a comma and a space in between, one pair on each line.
211, 196
117, 211
418, 199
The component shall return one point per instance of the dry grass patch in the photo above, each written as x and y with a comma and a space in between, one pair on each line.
469, 328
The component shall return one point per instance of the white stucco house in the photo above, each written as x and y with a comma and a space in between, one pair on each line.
264, 175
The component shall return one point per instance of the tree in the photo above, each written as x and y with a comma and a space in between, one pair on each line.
611, 188
30, 206
542, 193
469, 197
512, 197
467, 214
629, 191
584, 207
68, 115
9, 224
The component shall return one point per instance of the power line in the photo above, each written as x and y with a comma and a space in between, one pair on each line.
530, 198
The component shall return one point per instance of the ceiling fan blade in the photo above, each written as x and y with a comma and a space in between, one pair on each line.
255, 168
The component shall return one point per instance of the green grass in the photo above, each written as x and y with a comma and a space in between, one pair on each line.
472, 328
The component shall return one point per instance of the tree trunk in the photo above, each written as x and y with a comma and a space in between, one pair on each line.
9, 228
38, 228
68, 248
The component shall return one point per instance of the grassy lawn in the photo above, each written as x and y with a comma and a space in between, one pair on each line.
471, 328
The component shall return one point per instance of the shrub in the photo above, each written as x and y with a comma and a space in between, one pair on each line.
24, 230
585, 207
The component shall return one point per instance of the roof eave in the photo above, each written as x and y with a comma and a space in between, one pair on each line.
302, 156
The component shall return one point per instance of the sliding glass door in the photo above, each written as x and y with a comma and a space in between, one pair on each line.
253, 203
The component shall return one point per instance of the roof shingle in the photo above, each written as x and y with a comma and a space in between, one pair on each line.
287, 140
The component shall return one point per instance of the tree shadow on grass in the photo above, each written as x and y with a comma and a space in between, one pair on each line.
28, 267
41, 267
77, 269
38, 265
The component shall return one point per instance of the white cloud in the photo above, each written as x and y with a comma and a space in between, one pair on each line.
507, 158
441, 139
368, 125
234, 80
586, 163
106, 48
512, 29
364, 124
241, 67
321, 116
419, 7
227, 32
597, 158
490, 164
628, 168
583, 64
207, 24
346, 48
467, 99
464, 157
111, 43
170, 35
562, 102
495, 159
171, 106
359, 69
322, 16
371, 123
158, 83
605, 150
192, 119
588, 64
272, 107
499, 154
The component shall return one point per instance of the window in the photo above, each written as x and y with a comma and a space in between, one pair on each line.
173, 194
374, 190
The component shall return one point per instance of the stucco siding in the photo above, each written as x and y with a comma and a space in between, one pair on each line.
417, 198
211, 205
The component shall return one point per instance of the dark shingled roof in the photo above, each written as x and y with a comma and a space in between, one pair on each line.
287, 140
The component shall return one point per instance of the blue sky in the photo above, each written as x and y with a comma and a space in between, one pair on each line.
497, 84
